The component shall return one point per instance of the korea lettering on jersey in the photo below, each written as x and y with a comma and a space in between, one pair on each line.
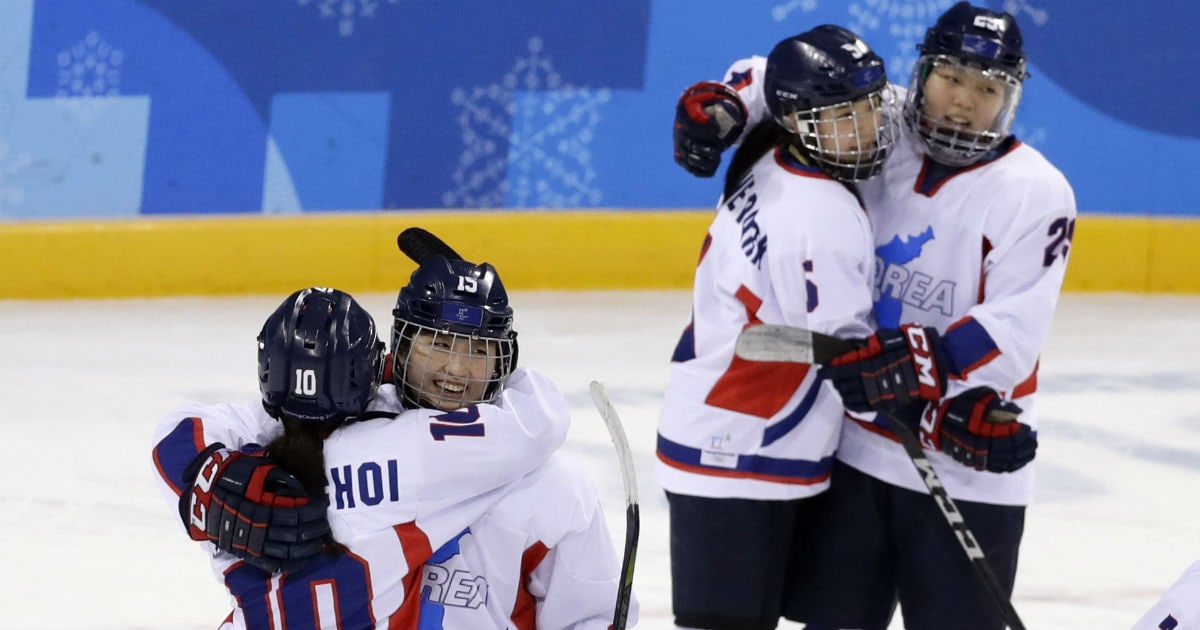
980, 254
406, 486
540, 558
789, 246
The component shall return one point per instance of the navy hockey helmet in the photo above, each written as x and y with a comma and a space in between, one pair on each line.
319, 358
459, 313
978, 40
812, 84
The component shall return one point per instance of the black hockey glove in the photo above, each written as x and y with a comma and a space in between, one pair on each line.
709, 117
979, 430
893, 370
251, 508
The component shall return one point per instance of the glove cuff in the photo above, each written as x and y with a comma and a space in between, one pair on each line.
189, 477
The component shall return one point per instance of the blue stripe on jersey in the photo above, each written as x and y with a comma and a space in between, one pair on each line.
176, 451
969, 346
685, 350
750, 466
433, 613
789, 422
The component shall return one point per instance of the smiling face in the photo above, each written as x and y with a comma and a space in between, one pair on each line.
449, 371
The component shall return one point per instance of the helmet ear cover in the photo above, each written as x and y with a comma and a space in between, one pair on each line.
320, 360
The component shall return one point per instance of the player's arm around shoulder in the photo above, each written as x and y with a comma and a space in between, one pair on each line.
537, 409
445, 457
745, 76
186, 431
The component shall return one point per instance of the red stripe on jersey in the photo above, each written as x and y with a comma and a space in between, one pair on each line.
756, 388
987, 249
524, 610
704, 247
416, 552
742, 80
1029, 385
874, 428
741, 474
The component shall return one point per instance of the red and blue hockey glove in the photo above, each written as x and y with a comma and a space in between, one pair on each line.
251, 508
709, 117
979, 429
894, 369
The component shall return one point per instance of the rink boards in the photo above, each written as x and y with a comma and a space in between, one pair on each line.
584, 250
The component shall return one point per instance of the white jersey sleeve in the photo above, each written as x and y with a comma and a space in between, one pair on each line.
1029, 211
745, 76
186, 431
387, 471
1179, 608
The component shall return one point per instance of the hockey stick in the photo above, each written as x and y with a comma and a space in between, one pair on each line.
773, 342
632, 520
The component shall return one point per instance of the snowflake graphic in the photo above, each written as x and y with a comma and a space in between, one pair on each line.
905, 23
346, 12
90, 68
780, 12
1029, 135
11, 168
1039, 17
547, 127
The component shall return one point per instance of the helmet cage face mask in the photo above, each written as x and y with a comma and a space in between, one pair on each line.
440, 369
833, 134
950, 143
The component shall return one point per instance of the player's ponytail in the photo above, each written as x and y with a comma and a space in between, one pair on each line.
755, 144
300, 452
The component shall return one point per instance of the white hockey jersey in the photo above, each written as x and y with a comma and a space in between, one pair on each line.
412, 490
1179, 608
790, 246
978, 253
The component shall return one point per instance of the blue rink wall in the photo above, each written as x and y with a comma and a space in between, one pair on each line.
121, 118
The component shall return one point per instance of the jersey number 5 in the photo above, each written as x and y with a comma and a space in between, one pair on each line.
1061, 232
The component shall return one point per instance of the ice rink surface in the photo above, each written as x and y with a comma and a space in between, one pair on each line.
90, 544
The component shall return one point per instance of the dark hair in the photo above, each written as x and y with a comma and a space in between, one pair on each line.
764, 137
300, 452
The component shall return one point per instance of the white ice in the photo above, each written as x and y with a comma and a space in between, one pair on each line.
89, 543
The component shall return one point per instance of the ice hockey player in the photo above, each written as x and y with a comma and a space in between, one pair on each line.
422, 530
972, 230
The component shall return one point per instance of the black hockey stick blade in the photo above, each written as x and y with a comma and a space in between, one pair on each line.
632, 518
419, 244
789, 344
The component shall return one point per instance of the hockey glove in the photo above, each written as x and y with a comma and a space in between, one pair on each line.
251, 508
894, 369
979, 430
709, 118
